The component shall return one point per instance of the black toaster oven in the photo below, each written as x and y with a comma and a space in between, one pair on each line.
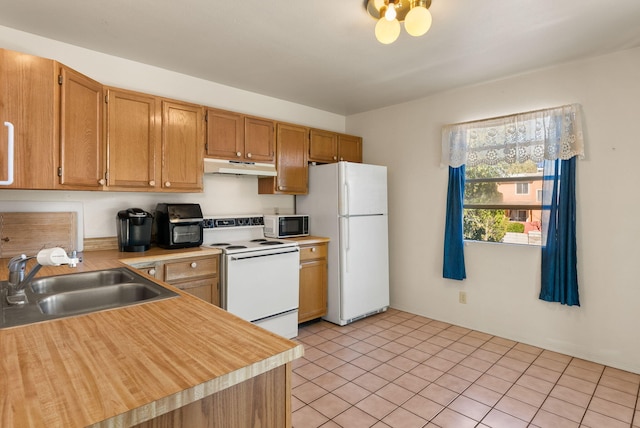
178, 225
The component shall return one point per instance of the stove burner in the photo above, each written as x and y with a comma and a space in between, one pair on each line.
220, 244
258, 240
235, 247
270, 243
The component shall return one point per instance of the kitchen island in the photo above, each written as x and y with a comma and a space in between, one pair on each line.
178, 362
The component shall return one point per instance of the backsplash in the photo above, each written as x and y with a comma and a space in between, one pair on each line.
222, 195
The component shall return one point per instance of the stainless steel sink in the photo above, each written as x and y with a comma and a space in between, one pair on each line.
80, 281
65, 295
109, 296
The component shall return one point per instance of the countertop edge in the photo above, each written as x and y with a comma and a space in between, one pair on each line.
198, 392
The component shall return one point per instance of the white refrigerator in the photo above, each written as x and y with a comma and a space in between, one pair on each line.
347, 202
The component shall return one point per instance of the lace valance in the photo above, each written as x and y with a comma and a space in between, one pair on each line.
554, 133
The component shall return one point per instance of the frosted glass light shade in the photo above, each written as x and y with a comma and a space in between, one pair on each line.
390, 14
418, 21
387, 31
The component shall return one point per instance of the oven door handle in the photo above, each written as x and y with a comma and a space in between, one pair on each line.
293, 250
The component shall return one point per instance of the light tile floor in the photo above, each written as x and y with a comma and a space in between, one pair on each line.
399, 370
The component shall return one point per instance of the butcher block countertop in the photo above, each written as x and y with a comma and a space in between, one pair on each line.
120, 367
310, 240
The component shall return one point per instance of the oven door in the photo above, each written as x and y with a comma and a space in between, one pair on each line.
262, 284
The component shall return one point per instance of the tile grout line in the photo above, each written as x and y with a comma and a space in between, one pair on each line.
441, 330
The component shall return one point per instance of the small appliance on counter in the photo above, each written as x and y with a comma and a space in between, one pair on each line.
286, 226
134, 229
179, 225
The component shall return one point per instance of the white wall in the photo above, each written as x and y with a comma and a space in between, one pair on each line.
222, 194
502, 282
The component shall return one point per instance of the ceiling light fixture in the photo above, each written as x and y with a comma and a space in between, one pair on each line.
389, 13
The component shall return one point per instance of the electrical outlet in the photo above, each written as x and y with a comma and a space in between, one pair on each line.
462, 297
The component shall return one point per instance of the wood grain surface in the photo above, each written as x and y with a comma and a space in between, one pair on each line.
124, 366
27, 233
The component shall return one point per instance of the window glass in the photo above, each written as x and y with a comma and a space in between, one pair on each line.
502, 203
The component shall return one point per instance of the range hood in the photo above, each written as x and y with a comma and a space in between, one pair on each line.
221, 166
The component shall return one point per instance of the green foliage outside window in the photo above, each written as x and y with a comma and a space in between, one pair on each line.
516, 227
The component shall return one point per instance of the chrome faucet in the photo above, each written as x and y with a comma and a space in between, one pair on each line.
17, 266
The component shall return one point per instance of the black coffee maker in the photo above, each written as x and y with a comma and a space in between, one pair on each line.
134, 229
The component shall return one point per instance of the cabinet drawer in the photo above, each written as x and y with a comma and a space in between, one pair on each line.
191, 268
310, 252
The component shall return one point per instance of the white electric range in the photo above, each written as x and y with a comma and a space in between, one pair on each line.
259, 276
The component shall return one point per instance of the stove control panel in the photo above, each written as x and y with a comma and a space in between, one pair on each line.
220, 222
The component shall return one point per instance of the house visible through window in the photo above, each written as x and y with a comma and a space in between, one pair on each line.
501, 203
522, 188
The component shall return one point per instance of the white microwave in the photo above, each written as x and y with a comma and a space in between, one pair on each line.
286, 226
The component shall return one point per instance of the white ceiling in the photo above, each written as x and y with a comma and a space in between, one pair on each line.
323, 53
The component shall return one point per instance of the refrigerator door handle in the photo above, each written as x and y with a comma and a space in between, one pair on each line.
345, 253
345, 201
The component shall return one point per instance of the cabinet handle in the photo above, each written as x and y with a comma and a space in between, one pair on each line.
341, 158
10, 159
194, 265
280, 187
313, 249
238, 154
335, 158
152, 183
102, 182
152, 271
249, 155
300, 266
167, 184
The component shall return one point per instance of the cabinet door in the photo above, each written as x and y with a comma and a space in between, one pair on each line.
201, 288
291, 162
182, 146
349, 148
258, 139
313, 290
133, 140
81, 151
225, 134
28, 101
323, 146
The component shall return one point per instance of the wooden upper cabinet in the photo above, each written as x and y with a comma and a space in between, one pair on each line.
323, 146
327, 147
225, 134
258, 139
28, 101
349, 148
182, 146
133, 140
291, 162
81, 162
234, 136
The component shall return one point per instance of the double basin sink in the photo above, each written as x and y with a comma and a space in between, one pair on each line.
80, 293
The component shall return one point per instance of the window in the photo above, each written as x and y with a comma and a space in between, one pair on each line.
522, 188
496, 196
539, 195
481, 155
518, 215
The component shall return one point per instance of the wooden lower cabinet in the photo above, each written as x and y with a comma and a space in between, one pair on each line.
260, 402
195, 275
313, 281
